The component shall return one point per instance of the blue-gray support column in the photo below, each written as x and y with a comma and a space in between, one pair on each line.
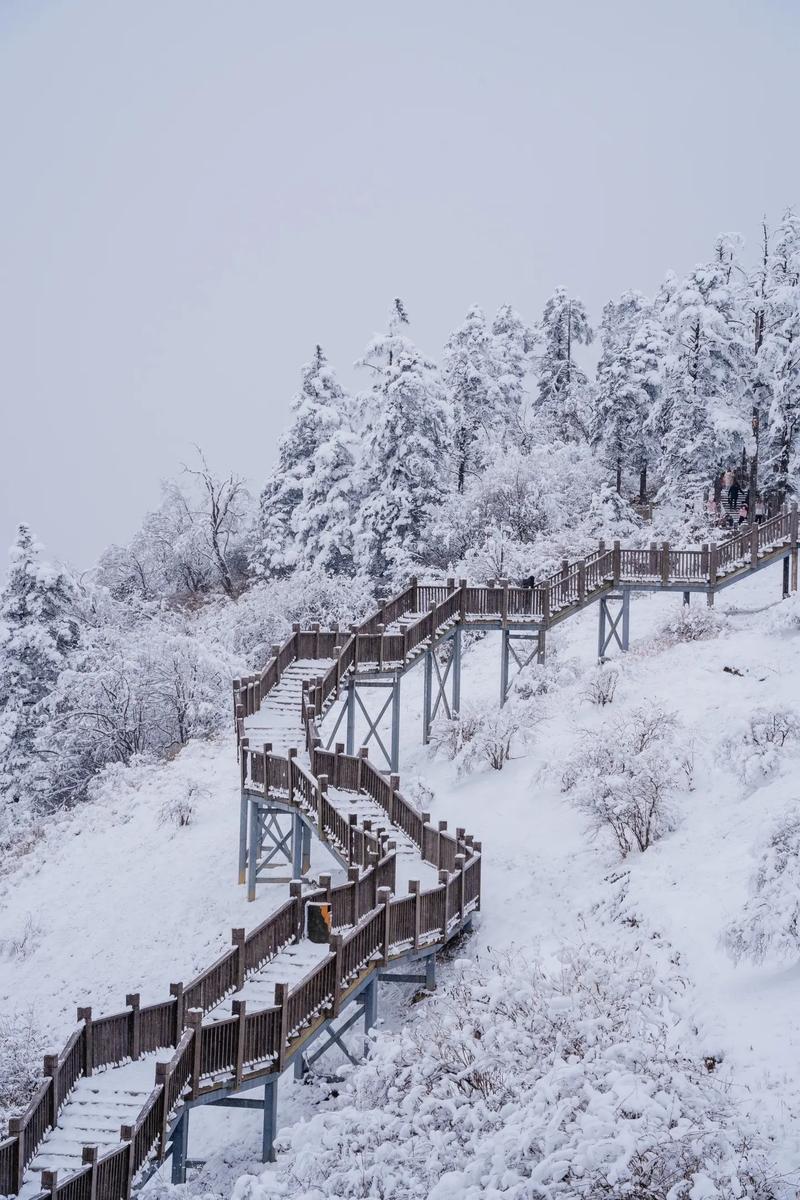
305, 865
252, 841
687, 597
243, 837
180, 1148
351, 717
457, 669
504, 647
370, 1010
270, 1127
430, 973
395, 744
297, 846
601, 628
626, 618
786, 576
426, 696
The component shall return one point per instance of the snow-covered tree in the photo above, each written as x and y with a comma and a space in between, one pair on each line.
319, 411
471, 377
515, 343
407, 441
777, 337
623, 388
769, 925
563, 393
702, 410
38, 633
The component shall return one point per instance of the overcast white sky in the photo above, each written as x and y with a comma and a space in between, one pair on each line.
195, 192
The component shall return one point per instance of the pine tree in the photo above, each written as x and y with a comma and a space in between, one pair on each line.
618, 399
702, 415
324, 519
470, 373
564, 401
778, 359
515, 343
318, 413
38, 631
407, 442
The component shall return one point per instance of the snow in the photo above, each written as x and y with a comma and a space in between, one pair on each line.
544, 877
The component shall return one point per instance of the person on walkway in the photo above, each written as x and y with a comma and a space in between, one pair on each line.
733, 494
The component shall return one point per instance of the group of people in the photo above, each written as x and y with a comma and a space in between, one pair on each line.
734, 505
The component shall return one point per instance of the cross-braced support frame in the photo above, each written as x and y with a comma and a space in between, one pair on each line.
614, 623
269, 838
355, 712
435, 682
530, 647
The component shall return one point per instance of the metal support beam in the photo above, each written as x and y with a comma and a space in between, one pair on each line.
687, 596
457, 669
252, 834
297, 847
243, 837
614, 626
430, 973
351, 717
305, 865
530, 648
180, 1148
426, 697
270, 1125
786, 562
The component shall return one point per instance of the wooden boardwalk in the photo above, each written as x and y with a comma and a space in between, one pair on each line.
97, 1127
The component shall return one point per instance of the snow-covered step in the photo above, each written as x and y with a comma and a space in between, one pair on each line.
279, 719
290, 966
409, 863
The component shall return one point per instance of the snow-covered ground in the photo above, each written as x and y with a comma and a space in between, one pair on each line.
113, 900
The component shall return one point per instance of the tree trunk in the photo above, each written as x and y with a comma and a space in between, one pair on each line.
643, 484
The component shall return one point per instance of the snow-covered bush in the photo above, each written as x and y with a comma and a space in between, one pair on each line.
756, 748
769, 926
22, 1046
179, 809
785, 617
482, 734
626, 774
601, 685
689, 623
23, 943
539, 679
584, 1080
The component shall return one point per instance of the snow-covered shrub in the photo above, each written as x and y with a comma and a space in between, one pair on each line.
689, 623
601, 685
539, 679
482, 734
581, 1081
626, 774
179, 810
785, 617
755, 749
417, 792
769, 926
23, 943
22, 1045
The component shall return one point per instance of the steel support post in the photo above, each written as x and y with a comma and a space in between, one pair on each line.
626, 618
243, 837
351, 717
504, 649
614, 626
426, 696
687, 598
786, 576
297, 846
270, 1126
457, 669
180, 1148
252, 841
430, 973
541, 647
305, 865
394, 747
370, 1011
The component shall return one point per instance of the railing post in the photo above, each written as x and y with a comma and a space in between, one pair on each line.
17, 1129
442, 829
353, 875
504, 602
238, 940
162, 1079
89, 1159
444, 881
414, 585
291, 755
50, 1183
85, 1015
582, 580
394, 784
296, 894
665, 564
616, 562
126, 1133
413, 890
385, 899
753, 545
462, 600
352, 821
381, 632
176, 990
793, 543
135, 1027
712, 566
335, 942
704, 560
239, 1010
460, 864
194, 1020
282, 1002
362, 755
51, 1068
545, 603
